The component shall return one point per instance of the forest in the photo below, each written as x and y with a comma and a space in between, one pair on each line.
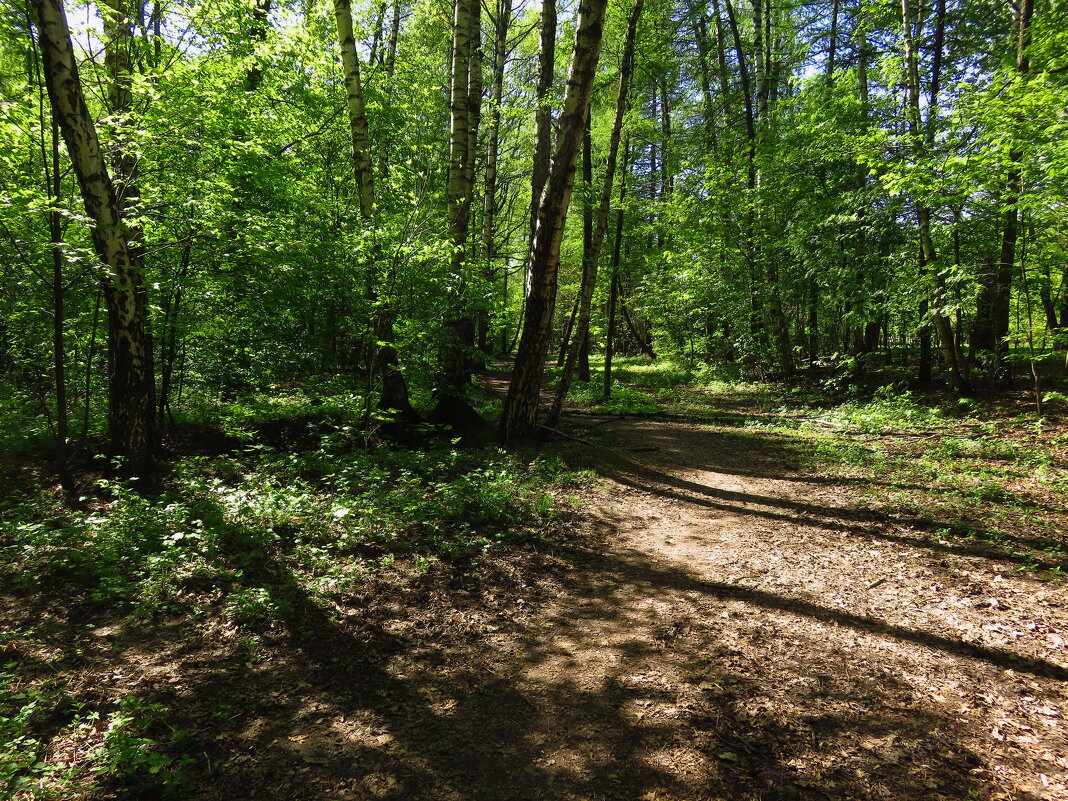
653, 400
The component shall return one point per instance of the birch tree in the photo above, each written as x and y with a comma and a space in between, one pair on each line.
519, 418
130, 370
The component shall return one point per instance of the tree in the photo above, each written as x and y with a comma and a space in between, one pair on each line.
393, 397
519, 417
591, 255
991, 326
130, 372
949, 343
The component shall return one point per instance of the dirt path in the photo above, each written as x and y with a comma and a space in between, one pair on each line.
751, 634
736, 631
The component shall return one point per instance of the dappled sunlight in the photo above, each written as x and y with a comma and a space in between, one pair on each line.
719, 624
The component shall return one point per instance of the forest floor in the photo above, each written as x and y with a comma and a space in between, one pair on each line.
722, 616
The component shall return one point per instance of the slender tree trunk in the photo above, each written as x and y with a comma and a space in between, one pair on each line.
519, 419
55, 230
951, 355
587, 249
391, 71
1055, 306
761, 264
130, 374
749, 225
991, 327
667, 175
642, 339
118, 60
592, 254
565, 339
393, 397
491, 206
377, 55
610, 337
613, 274
394, 34
53, 186
760, 71
543, 131
168, 335
721, 65
261, 11
704, 71
465, 107
83, 435
832, 45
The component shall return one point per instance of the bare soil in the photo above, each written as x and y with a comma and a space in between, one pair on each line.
711, 624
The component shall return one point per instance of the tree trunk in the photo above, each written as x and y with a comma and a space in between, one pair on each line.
991, 326
519, 419
131, 383
704, 71
261, 11
393, 397
943, 328
749, 225
376, 55
465, 99
394, 33
55, 229
667, 175
491, 206
1055, 306
543, 114
613, 275
593, 253
642, 339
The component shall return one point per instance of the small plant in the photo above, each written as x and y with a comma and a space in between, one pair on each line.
22, 762
134, 759
1056, 399
256, 607
19, 752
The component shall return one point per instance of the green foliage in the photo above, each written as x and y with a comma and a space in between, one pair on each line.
20, 763
892, 410
131, 757
137, 751
325, 507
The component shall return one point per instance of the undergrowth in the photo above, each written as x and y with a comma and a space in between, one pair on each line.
294, 505
299, 511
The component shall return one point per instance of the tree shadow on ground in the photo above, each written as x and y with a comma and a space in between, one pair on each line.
646, 476
596, 696
620, 676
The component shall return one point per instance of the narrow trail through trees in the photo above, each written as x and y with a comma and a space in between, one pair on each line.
750, 632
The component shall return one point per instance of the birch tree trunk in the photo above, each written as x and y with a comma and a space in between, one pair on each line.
465, 105
519, 419
393, 397
591, 257
130, 372
543, 114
